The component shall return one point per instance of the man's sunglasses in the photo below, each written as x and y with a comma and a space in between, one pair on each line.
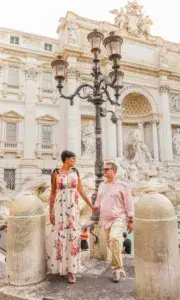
106, 169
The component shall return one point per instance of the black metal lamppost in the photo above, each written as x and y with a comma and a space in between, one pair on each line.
98, 92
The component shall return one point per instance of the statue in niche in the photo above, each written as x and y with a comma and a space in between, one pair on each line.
88, 139
72, 33
176, 142
137, 151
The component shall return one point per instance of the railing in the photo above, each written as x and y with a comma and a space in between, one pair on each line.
11, 86
10, 145
48, 91
47, 146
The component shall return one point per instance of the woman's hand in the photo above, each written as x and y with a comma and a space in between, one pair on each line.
95, 208
52, 217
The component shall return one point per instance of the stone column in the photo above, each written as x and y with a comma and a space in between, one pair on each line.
73, 118
166, 123
155, 140
39, 133
5, 80
111, 143
20, 131
3, 130
54, 134
3, 134
141, 129
2, 139
119, 133
20, 136
21, 82
1, 77
30, 113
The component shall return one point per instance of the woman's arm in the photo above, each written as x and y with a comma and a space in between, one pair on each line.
52, 197
83, 194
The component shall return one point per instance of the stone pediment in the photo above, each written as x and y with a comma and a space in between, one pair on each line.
12, 114
131, 21
47, 118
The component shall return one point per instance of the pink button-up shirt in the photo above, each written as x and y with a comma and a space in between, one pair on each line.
114, 201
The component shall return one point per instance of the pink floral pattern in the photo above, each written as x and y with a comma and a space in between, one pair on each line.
64, 251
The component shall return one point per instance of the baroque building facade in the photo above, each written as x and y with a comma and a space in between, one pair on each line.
36, 125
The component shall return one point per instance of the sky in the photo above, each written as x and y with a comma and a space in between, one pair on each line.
42, 16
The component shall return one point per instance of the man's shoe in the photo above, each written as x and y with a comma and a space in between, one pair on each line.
116, 276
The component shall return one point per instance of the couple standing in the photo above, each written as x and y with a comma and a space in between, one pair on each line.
114, 202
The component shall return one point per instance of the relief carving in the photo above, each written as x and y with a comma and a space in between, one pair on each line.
88, 139
175, 103
132, 21
31, 74
176, 142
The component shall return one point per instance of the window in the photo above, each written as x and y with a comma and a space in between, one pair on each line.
13, 77
47, 81
48, 47
46, 136
14, 40
11, 132
46, 171
9, 178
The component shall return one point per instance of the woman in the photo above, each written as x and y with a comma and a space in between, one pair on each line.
64, 215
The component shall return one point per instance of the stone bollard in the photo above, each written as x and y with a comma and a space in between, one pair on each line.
26, 241
156, 249
98, 244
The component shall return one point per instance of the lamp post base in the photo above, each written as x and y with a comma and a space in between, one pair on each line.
95, 217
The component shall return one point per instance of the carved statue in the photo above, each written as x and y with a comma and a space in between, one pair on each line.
137, 151
176, 142
120, 20
72, 33
145, 26
88, 139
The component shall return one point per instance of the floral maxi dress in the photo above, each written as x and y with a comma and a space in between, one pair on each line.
64, 248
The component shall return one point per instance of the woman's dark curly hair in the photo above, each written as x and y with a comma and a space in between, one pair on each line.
67, 154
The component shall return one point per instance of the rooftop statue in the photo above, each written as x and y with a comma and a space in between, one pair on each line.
132, 20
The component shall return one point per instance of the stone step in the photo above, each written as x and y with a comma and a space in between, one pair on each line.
93, 283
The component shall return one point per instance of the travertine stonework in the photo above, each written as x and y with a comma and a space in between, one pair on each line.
29, 98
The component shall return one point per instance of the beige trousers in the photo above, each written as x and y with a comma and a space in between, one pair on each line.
114, 235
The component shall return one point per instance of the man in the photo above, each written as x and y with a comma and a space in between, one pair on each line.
116, 207
126, 244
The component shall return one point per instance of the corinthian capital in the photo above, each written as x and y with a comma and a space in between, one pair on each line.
164, 89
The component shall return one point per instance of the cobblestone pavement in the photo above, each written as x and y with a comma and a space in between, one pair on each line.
94, 283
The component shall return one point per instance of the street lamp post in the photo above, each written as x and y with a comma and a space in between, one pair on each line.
98, 92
